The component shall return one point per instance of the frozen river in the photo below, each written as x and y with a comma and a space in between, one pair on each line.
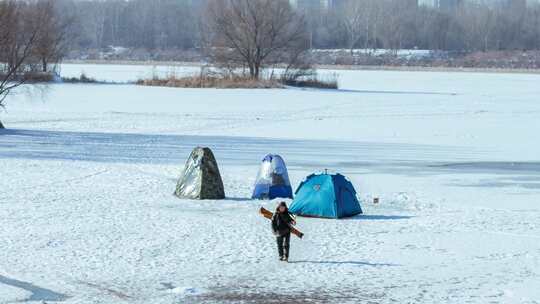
88, 173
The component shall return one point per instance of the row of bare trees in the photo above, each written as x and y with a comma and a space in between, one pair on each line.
397, 24
32, 38
149, 24
257, 34
370, 24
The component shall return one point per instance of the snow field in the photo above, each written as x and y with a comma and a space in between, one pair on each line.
88, 173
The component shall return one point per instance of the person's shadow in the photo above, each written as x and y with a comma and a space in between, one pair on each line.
354, 263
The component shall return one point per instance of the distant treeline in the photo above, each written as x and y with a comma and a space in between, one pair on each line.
369, 24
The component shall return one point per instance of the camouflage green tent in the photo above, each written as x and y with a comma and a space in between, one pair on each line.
200, 178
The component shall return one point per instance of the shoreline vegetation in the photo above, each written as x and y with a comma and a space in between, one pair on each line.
239, 81
338, 67
233, 81
207, 82
202, 81
83, 78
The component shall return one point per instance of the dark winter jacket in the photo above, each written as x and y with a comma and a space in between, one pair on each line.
281, 223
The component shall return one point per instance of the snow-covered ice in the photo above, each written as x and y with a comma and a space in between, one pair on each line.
88, 171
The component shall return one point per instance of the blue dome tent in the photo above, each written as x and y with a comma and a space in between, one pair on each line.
273, 179
326, 196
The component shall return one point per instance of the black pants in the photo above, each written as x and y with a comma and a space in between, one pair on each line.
283, 243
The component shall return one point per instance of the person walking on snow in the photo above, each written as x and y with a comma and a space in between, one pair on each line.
282, 221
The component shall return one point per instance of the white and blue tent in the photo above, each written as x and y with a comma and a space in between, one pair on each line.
273, 179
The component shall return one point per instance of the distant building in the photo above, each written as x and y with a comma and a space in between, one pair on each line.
337, 3
449, 5
445, 5
333, 4
517, 4
411, 3
310, 4
454, 4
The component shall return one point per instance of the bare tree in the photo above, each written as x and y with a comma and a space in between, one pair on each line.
255, 34
360, 19
531, 35
20, 29
399, 25
479, 20
353, 21
50, 45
